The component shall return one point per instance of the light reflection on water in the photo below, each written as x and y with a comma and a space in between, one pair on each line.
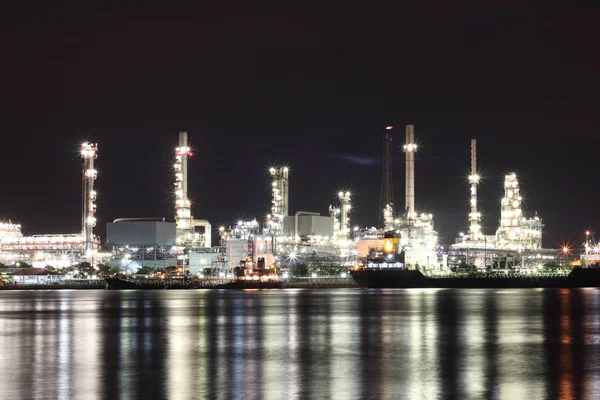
296, 344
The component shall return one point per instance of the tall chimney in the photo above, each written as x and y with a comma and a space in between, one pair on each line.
410, 148
474, 215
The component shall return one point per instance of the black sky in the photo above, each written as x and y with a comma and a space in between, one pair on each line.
310, 87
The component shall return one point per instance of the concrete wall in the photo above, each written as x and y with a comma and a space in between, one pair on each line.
200, 261
309, 225
141, 233
237, 250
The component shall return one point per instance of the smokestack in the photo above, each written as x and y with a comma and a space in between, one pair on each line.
474, 215
183, 146
410, 148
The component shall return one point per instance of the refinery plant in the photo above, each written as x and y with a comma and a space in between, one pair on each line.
406, 237
59, 250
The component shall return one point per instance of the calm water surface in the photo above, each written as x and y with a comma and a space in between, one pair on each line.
312, 344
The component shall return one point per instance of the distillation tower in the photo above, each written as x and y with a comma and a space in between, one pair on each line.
280, 200
345, 207
510, 212
89, 152
474, 215
185, 224
183, 206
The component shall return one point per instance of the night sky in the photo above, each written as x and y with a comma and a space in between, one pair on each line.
313, 88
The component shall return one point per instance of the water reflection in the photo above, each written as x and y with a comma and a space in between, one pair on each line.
295, 344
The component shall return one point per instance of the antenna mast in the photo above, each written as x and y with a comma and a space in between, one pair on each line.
386, 202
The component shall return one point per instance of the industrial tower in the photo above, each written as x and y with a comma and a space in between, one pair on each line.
89, 152
474, 215
280, 200
386, 202
410, 147
183, 211
345, 207
510, 212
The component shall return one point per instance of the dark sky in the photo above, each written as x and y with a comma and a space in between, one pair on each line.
310, 87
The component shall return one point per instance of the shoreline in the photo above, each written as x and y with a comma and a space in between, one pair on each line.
102, 286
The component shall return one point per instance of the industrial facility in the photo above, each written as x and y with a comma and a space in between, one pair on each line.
406, 237
63, 249
406, 240
518, 239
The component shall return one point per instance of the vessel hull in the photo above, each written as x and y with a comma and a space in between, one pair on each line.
401, 278
154, 284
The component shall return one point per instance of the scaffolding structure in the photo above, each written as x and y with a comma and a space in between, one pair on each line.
386, 201
486, 257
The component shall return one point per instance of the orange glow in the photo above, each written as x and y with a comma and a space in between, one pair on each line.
388, 245
565, 372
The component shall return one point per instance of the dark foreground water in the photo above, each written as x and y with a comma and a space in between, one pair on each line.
313, 344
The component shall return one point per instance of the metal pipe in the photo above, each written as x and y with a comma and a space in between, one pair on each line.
183, 146
410, 148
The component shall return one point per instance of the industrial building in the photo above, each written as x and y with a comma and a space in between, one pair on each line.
284, 240
305, 224
59, 250
410, 236
141, 242
518, 239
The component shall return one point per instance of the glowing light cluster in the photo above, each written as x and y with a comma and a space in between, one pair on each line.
410, 148
279, 201
516, 231
89, 152
183, 212
345, 208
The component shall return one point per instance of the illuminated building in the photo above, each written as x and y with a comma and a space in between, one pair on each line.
188, 234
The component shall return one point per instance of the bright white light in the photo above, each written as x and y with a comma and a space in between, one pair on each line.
314, 275
285, 275
344, 275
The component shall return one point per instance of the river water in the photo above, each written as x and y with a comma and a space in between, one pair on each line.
296, 343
